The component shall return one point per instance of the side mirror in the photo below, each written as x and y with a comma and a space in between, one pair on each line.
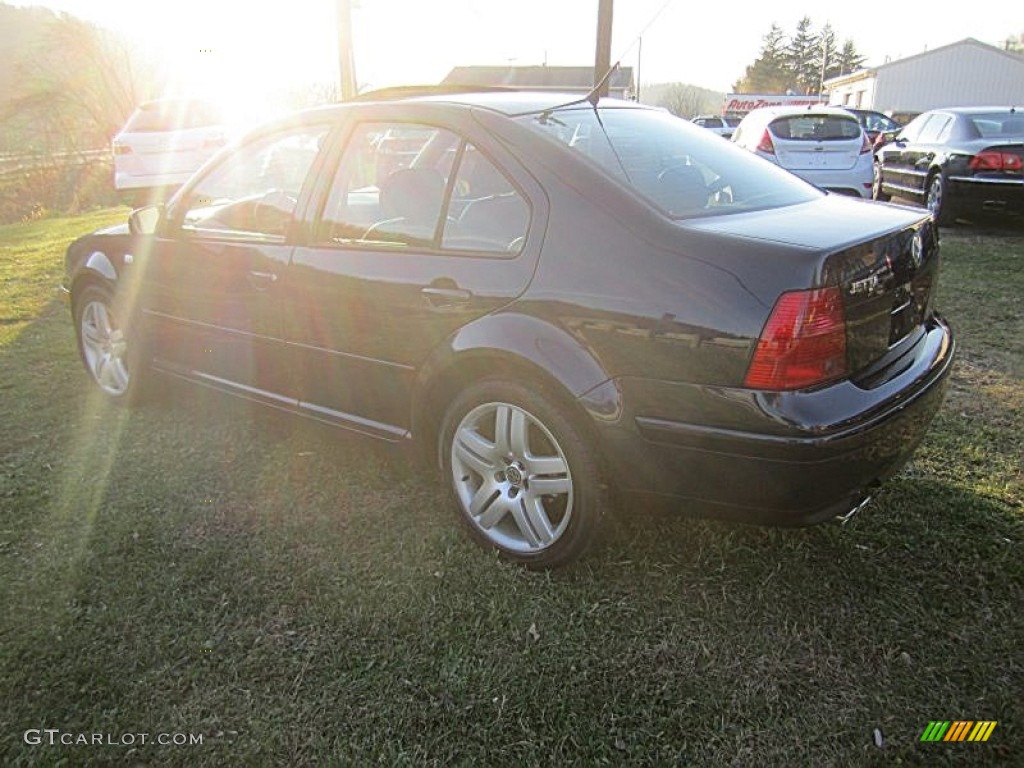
145, 221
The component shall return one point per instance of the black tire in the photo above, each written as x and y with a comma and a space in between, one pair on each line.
497, 480
935, 199
109, 348
876, 185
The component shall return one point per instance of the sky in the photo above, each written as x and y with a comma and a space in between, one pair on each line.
248, 48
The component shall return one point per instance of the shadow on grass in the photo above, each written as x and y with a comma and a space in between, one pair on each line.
299, 596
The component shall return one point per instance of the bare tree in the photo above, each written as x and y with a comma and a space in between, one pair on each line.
77, 88
684, 100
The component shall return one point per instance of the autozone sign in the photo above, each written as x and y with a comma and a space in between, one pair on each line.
741, 103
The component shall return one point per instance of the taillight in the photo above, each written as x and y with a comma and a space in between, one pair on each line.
866, 145
803, 344
122, 149
765, 145
994, 160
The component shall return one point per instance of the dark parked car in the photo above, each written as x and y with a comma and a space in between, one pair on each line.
559, 303
958, 162
875, 123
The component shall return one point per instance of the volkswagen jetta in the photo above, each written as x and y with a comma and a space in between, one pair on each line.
561, 302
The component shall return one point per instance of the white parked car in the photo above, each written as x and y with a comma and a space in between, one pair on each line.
723, 126
823, 145
164, 142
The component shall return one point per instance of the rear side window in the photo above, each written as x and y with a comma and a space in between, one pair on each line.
936, 129
816, 128
411, 185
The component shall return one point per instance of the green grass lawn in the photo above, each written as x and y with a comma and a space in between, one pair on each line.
297, 597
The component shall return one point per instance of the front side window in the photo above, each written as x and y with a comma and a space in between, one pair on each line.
252, 192
409, 185
880, 123
914, 127
681, 168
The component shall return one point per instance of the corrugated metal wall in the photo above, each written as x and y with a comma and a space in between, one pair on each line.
961, 75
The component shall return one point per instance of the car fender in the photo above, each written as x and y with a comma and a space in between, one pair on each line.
524, 344
99, 263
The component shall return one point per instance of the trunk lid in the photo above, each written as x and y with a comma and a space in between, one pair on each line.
883, 258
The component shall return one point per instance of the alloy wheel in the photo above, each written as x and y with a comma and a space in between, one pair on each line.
511, 478
104, 348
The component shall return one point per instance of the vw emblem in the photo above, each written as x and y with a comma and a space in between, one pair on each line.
514, 475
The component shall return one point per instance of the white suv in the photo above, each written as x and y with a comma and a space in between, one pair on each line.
823, 145
164, 142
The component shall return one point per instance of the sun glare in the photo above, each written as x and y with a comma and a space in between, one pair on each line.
252, 65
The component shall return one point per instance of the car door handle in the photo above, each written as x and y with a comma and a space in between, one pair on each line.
260, 281
445, 298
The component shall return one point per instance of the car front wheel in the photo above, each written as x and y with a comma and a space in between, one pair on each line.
105, 345
522, 476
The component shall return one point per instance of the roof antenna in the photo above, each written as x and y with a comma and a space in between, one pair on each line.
595, 93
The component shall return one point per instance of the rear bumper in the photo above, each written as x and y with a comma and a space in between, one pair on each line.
781, 458
856, 181
982, 195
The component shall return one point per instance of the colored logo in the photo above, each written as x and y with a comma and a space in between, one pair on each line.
958, 730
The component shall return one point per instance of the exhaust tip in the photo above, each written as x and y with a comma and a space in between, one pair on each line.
844, 518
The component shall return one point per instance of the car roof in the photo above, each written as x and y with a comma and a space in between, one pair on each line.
974, 110
506, 101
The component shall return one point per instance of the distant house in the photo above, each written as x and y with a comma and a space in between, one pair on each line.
968, 73
565, 79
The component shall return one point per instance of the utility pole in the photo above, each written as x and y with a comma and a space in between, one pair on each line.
603, 56
346, 61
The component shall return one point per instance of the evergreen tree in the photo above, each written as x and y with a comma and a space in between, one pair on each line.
803, 58
849, 60
769, 72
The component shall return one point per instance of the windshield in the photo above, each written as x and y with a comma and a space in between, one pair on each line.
683, 169
1008, 125
812, 127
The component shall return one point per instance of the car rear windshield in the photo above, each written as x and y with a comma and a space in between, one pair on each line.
159, 117
816, 127
999, 125
684, 170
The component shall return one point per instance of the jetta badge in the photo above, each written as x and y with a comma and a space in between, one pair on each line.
917, 249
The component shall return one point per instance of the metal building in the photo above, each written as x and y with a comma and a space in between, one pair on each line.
967, 73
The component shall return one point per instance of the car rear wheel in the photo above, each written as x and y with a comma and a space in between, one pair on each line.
106, 345
522, 477
935, 199
876, 185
